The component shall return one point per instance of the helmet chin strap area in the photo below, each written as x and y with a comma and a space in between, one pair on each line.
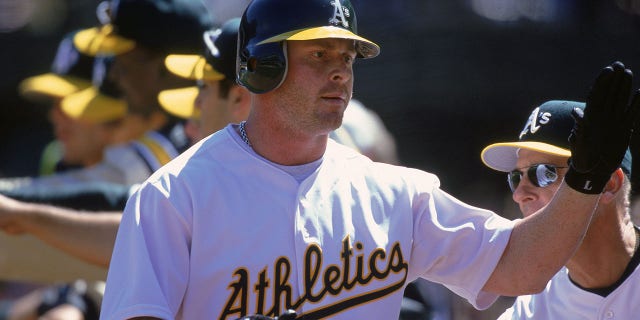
285, 51
264, 68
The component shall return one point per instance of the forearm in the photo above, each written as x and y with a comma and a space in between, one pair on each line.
542, 243
87, 236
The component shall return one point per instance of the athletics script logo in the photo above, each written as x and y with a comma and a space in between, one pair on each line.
319, 281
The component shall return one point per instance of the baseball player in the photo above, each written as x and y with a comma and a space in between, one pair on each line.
84, 126
602, 277
217, 100
82, 130
269, 214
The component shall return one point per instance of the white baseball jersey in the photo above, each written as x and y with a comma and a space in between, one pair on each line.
221, 232
562, 299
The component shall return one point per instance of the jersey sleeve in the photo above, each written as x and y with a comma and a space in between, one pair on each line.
458, 245
149, 268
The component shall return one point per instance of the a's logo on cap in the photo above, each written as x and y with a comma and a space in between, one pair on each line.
210, 38
66, 57
106, 10
535, 122
340, 14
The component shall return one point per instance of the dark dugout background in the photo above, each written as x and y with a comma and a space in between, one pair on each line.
450, 81
453, 75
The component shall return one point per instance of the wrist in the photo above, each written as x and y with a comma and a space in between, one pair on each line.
588, 183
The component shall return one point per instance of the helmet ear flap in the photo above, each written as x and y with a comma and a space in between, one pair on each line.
262, 68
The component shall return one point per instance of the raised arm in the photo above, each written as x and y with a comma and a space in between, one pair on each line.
543, 242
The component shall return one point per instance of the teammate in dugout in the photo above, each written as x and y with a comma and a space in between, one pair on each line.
271, 215
602, 276
139, 34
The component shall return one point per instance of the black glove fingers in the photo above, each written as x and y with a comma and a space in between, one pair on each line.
618, 65
613, 94
599, 92
621, 91
632, 115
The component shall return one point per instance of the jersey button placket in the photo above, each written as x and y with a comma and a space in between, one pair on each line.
609, 314
302, 239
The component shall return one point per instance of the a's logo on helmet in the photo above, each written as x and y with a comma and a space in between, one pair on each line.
340, 14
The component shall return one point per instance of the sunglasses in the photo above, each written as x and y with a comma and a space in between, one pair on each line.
540, 175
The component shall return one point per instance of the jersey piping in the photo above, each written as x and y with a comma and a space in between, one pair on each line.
155, 149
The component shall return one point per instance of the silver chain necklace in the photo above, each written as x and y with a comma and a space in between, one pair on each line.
243, 133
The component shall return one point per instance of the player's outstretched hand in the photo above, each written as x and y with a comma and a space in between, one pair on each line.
288, 315
602, 132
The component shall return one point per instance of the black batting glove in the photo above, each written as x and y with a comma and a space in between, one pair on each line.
634, 147
288, 315
600, 136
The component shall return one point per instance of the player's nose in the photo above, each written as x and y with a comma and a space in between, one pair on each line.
524, 191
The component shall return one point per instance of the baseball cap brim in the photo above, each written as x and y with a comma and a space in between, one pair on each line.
51, 85
192, 67
504, 156
366, 48
89, 104
180, 102
102, 41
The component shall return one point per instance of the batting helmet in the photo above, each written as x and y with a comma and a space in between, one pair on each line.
266, 24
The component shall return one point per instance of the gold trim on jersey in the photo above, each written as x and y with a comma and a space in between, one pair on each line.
158, 152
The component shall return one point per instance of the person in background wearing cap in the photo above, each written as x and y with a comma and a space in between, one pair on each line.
217, 100
139, 34
80, 136
86, 114
602, 278
91, 237
146, 32
270, 214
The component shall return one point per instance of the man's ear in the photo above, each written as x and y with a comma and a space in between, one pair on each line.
613, 186
240, 97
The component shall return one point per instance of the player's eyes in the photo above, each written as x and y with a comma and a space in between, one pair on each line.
318, 54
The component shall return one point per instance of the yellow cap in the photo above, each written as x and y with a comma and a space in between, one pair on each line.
192, 67
102, 41
91, 105
180, 102
51, 85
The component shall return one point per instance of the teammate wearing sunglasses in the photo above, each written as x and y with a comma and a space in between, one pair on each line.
602, 277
